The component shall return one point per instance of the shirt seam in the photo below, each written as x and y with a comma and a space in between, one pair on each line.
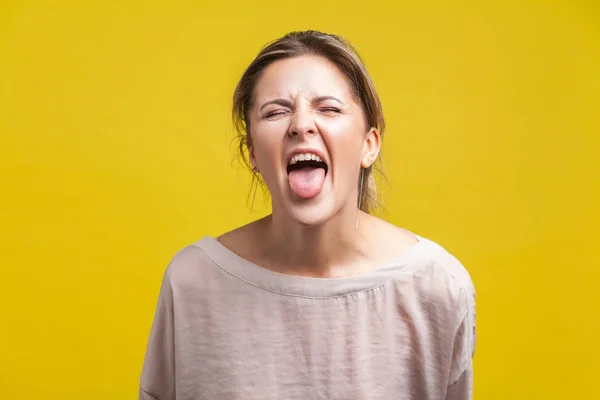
372, 288
404, 270
148, 393
462, 372
454, 277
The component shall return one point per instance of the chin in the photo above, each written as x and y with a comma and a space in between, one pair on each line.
310, 214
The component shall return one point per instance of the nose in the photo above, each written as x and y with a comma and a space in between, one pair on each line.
302, 124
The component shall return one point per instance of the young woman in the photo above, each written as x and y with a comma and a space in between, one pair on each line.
319, 300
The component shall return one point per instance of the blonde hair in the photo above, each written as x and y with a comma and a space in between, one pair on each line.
344, 56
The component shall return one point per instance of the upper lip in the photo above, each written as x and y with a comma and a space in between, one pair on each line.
304, 151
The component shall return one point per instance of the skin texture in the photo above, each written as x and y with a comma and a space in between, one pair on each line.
295, 107
306, 103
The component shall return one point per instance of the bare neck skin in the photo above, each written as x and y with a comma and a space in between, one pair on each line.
327, 250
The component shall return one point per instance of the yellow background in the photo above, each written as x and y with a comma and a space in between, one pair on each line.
115, 152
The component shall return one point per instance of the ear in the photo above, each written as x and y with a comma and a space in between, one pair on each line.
371, 148
252, 159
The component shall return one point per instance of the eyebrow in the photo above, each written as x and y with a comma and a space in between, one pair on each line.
287, 103
280, 101
323, 98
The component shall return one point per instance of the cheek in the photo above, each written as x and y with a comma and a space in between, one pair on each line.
345, 144
267, 148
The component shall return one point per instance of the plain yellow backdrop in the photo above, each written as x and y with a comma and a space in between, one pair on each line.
116, 151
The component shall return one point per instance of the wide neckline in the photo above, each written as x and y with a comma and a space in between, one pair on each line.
303, 286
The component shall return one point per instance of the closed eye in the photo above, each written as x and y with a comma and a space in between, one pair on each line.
273, 114
330, 110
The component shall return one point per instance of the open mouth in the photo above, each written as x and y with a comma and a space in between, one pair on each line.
300, 161
306, 174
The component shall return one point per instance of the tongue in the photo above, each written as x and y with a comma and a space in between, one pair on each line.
307, 182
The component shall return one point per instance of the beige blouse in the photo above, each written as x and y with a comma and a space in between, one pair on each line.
225, 328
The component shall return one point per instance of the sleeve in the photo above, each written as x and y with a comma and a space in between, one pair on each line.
157, 380
460, 386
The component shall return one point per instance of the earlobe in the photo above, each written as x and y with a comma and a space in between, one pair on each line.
252, 159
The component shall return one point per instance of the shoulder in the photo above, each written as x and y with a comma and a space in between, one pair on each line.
435, 272
451, 277
191, 266
425, 257
446, 287
440, 286
446, 266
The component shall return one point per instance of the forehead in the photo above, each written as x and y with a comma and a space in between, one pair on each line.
306, 76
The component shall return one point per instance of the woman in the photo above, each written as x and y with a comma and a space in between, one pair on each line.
319, 300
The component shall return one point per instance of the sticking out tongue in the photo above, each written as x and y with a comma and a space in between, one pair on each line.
307, 182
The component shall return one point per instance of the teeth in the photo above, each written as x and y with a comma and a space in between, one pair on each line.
305, 157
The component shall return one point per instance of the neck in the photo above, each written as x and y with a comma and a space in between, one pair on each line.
316, 250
